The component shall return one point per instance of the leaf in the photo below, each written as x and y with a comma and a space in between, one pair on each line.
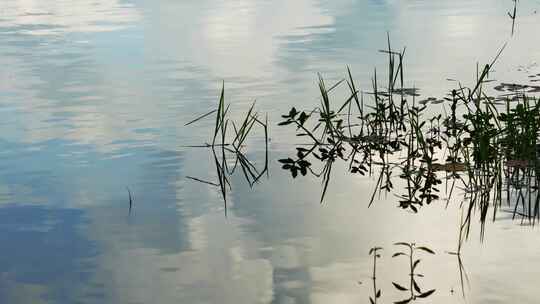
374, 249
403, 301
396, 285
294, 172
403, 244
425, 249
286, 161
378, 295
415, 264
426, 294
416, 287
303, 117
371, 300
398, 254
293, 112
304, 163
284, 123
200, 117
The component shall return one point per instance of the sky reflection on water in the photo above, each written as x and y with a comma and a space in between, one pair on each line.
94, 98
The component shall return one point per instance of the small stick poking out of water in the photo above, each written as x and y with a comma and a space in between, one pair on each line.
130, 199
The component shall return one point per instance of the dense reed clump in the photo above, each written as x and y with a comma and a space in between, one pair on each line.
478, 146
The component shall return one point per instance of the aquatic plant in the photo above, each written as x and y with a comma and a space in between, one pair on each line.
376, 292
513, 16
463, 277
225, 144
386, 129
414, 288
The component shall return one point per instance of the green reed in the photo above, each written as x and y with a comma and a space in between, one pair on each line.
486, 151
226, 143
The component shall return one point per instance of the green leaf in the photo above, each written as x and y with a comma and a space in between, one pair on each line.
425, 249
284, 123
415, 264
286, 161
303, 117
304, 163
396, 285
294, 172
426, 294
293, 112
416, 287
374, 249
403, 244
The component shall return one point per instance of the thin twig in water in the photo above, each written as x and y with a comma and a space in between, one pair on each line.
130, 199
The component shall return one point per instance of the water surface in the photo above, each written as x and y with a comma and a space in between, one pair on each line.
94, 96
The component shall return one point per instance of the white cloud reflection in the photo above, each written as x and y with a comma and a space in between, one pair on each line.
38, 17
215, 270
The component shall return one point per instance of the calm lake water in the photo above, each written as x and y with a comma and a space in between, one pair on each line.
94, 95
